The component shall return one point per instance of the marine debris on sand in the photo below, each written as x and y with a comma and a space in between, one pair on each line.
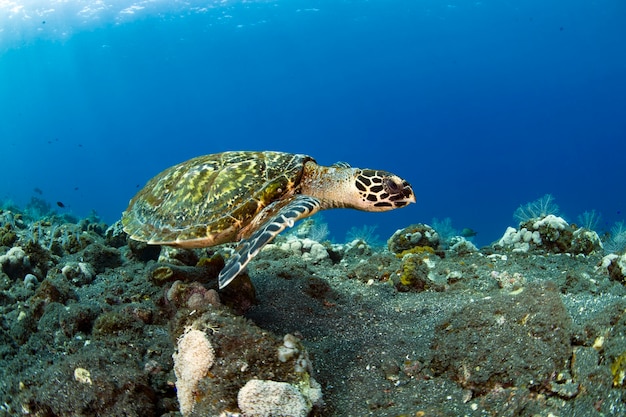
94, 324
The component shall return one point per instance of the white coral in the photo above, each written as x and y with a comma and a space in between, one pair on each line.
15, 257
551, 221
193, 359
309, 249
519, 239
461, 246
79, 272
260, 398
616, 260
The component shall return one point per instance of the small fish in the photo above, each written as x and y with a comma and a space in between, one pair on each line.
467, 232
38, 190
60, 204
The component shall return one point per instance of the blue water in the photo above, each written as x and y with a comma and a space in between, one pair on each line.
482, 106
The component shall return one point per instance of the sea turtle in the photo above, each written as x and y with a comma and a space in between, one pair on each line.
250, 197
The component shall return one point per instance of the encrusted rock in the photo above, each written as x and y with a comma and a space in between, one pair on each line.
461, 246
550, 234
413, 236
115, 235
310, 250
79, 273
260, 398
15, 263
615, 265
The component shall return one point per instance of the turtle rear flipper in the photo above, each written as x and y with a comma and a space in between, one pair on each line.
297, 208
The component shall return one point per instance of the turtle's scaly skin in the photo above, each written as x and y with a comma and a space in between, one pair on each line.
250, 197
210, 199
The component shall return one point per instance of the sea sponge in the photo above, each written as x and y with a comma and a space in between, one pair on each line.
412, 236
192, 361
550, 234
262, 398
80, 273
15, 263
615, 265
461, 246
309, 249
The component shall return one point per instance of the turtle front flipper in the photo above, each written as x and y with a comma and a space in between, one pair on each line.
298, 207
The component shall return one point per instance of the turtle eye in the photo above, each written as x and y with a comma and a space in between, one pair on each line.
391, 186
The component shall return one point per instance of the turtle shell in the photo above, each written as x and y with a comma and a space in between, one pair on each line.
211, 199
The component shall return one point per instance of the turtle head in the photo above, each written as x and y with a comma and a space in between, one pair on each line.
362, 189
381, 190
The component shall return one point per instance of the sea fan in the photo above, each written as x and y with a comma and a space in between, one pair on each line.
617, 241
536, 209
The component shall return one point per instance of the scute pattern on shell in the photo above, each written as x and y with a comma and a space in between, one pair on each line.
208, 200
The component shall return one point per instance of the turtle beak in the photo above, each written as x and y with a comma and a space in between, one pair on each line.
404, 198
408, 193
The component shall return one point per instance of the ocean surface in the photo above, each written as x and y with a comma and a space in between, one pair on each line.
482, 105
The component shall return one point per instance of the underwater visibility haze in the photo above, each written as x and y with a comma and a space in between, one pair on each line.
502, 291
483, 106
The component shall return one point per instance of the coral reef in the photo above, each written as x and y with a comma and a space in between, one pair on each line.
532, 325
550, 234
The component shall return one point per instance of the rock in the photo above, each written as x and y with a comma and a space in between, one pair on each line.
259, 398
79, 273
15, 263
115, 236
413, 236
102, 257
550, 234
532, 341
